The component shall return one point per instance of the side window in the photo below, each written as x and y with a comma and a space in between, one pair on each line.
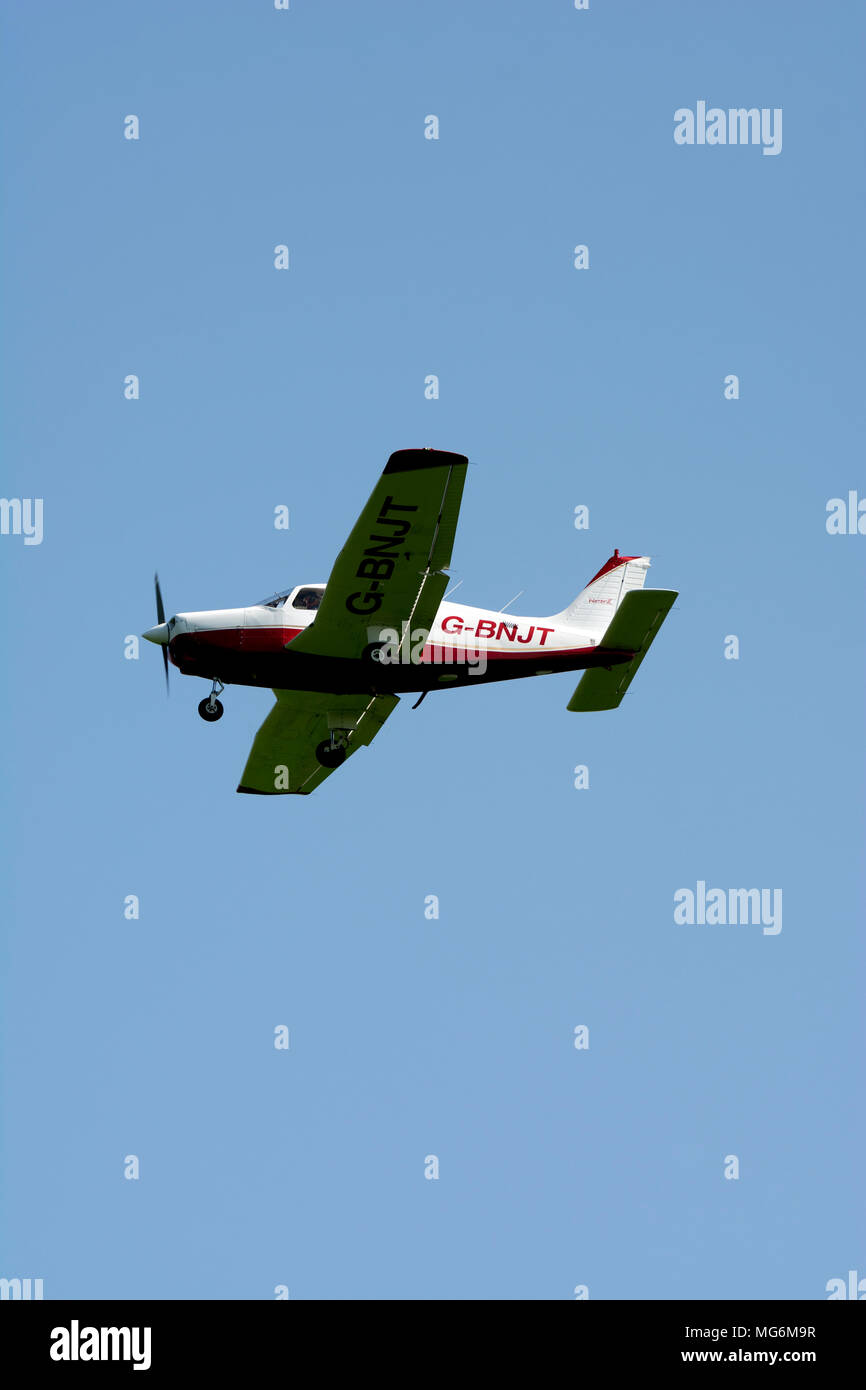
307, 598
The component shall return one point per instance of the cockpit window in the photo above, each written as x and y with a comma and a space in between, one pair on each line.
275, 601
307, 598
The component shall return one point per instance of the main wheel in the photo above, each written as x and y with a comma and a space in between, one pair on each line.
330, 757
211, 710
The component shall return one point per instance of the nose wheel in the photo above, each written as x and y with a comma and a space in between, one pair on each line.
211, 708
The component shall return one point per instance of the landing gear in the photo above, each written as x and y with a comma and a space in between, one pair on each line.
211, 709
332, 752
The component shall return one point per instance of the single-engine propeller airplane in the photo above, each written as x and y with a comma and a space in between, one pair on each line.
337, 654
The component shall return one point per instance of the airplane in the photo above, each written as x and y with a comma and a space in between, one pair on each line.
338, 655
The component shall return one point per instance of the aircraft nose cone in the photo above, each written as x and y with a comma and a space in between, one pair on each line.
158, 634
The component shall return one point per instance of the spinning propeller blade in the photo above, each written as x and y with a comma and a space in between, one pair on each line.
160, 617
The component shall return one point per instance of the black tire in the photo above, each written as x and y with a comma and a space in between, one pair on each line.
213, 713
328, 756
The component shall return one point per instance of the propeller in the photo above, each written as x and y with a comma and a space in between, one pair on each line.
162, 638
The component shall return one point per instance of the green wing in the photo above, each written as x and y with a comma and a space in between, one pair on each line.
283, 757
390, 569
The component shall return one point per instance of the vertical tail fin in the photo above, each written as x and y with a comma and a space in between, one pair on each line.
594, 607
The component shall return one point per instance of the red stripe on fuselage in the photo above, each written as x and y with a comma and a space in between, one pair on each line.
190, 645
268, 659
431, 650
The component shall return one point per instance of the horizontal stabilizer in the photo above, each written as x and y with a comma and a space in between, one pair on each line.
632, 629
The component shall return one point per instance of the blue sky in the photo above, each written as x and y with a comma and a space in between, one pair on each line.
558, 1167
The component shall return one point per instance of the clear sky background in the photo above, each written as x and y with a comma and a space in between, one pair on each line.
605, 387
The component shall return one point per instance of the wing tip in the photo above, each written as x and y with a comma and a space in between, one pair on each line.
406, 460
257, 791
